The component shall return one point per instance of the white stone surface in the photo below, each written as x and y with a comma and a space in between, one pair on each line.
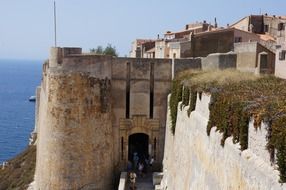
122, 181
257, 141
193, 160
31, 186
157, 178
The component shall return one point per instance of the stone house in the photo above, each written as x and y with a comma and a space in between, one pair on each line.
140, 46
262, 24
174, 49
169, 47
269, 28
189, 28
150, 53
280, 61
251, 54
217, 41
254, 57
274, 25
161, 49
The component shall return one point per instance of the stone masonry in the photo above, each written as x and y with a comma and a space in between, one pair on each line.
89, 105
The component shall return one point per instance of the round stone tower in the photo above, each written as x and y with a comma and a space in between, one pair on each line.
74, 148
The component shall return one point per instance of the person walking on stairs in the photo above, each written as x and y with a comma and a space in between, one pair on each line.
132, 177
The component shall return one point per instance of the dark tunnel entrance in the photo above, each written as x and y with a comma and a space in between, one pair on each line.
138, 144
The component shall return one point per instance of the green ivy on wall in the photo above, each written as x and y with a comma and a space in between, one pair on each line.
235, 98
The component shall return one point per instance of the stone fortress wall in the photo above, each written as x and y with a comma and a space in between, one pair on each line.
193, 160
89, 105
69, 154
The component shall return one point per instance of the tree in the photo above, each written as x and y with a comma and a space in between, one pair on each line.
109, 50
98, 50
92, 50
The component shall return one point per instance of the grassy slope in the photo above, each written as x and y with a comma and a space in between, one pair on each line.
20, 171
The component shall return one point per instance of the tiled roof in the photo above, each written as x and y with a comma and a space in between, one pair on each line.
266, 37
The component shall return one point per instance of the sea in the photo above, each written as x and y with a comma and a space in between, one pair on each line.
18, 81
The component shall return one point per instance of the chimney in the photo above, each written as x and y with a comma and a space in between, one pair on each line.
187, 26
215, 25
158, 36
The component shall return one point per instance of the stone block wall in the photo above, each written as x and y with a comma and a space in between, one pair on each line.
219, 61
280, 62
257, 141
193, 160
185, 64
75, 148
248, 57
82, 116
203, 44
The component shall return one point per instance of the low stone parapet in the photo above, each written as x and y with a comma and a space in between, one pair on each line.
122, 181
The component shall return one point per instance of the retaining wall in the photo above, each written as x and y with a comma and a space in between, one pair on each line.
193, 160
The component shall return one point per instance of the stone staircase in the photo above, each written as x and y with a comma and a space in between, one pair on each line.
142, 183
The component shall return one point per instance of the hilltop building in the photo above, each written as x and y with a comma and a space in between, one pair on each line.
189, 28
252, 56
140, 47
269, 28
217, 41
280, 62
263, 24
253, 36
169, 45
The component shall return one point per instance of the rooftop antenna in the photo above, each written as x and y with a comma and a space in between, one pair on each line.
55, 23
215, 23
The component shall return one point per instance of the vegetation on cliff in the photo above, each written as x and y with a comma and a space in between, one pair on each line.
19, 172
235, 98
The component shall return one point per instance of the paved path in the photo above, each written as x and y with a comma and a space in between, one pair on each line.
143, 183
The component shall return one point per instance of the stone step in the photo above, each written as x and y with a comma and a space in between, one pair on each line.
142, 183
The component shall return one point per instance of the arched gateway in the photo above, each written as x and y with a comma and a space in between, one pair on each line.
138, 143
140, 135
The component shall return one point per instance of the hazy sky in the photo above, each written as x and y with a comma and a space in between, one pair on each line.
26, 27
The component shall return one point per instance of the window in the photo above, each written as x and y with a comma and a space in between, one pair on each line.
282, 55
174, 55
281, 26
127, 96
122, 148
266, 28
237, 39
155, 147
151, 105
263, 61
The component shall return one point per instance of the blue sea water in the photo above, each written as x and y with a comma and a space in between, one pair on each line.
18, 81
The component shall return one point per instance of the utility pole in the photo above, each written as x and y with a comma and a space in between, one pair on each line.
55, 23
